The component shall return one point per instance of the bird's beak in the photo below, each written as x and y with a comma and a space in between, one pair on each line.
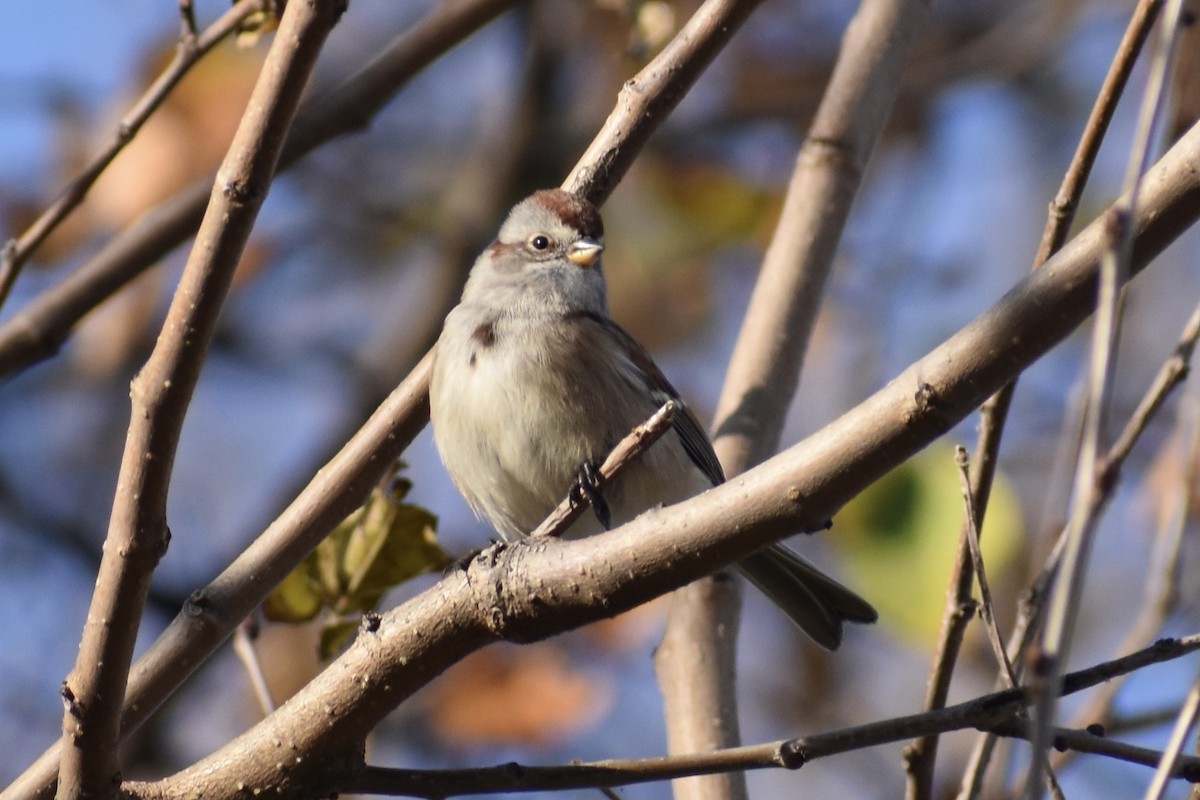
585, 252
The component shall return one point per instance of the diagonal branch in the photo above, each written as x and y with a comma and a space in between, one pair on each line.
996, 712
629, 449
137, 537
509, 595
921, 755
651, 95
764, 369
36, 331
191, 48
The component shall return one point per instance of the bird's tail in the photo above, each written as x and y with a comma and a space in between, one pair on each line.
814, 601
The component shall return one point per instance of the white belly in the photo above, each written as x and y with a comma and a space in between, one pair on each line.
514, 432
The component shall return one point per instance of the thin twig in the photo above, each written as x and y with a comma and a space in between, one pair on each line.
243, 646
921, 754
1009, 677
1087, 494
1168, 378
1170, 375
1081, 741
1161, 592
1019, 641
628, 450
1066, 200
986, 607
190, 50
1168, 765
997, 711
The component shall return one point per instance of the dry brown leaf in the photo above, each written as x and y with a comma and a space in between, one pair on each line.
527, 695
639, 629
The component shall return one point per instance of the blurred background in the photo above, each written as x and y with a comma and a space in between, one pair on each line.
363, 247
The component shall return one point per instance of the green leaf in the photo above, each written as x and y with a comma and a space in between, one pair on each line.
297, 599
377, 547
334, 636
900, 536
392, 543
256, 26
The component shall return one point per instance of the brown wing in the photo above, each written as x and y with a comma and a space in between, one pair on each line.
691, 433
695, 440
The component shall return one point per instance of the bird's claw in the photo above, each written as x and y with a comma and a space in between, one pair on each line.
587, 487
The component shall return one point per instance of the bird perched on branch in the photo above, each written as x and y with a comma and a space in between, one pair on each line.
533, 383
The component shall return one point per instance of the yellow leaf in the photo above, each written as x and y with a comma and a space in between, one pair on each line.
394, 542
378, 546
297, 599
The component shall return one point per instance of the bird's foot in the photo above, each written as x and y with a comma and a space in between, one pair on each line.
587, 487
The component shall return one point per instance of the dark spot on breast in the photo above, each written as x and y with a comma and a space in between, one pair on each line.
485, 335
472, 361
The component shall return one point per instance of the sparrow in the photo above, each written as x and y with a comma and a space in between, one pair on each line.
534, 383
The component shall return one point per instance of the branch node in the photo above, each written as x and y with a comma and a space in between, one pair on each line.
968, 609
1116, 223
187, 24
926, 397
791, 754
238, 191
70, 702
197, 604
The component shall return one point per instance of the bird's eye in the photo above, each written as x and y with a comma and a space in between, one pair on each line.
539, 242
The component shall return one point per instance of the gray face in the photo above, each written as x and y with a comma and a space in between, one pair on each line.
544, 261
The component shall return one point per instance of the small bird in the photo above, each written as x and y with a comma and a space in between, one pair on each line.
534, 383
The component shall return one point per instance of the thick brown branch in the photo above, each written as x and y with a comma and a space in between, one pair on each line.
137, 535
517, 593
996, 712
648, 97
